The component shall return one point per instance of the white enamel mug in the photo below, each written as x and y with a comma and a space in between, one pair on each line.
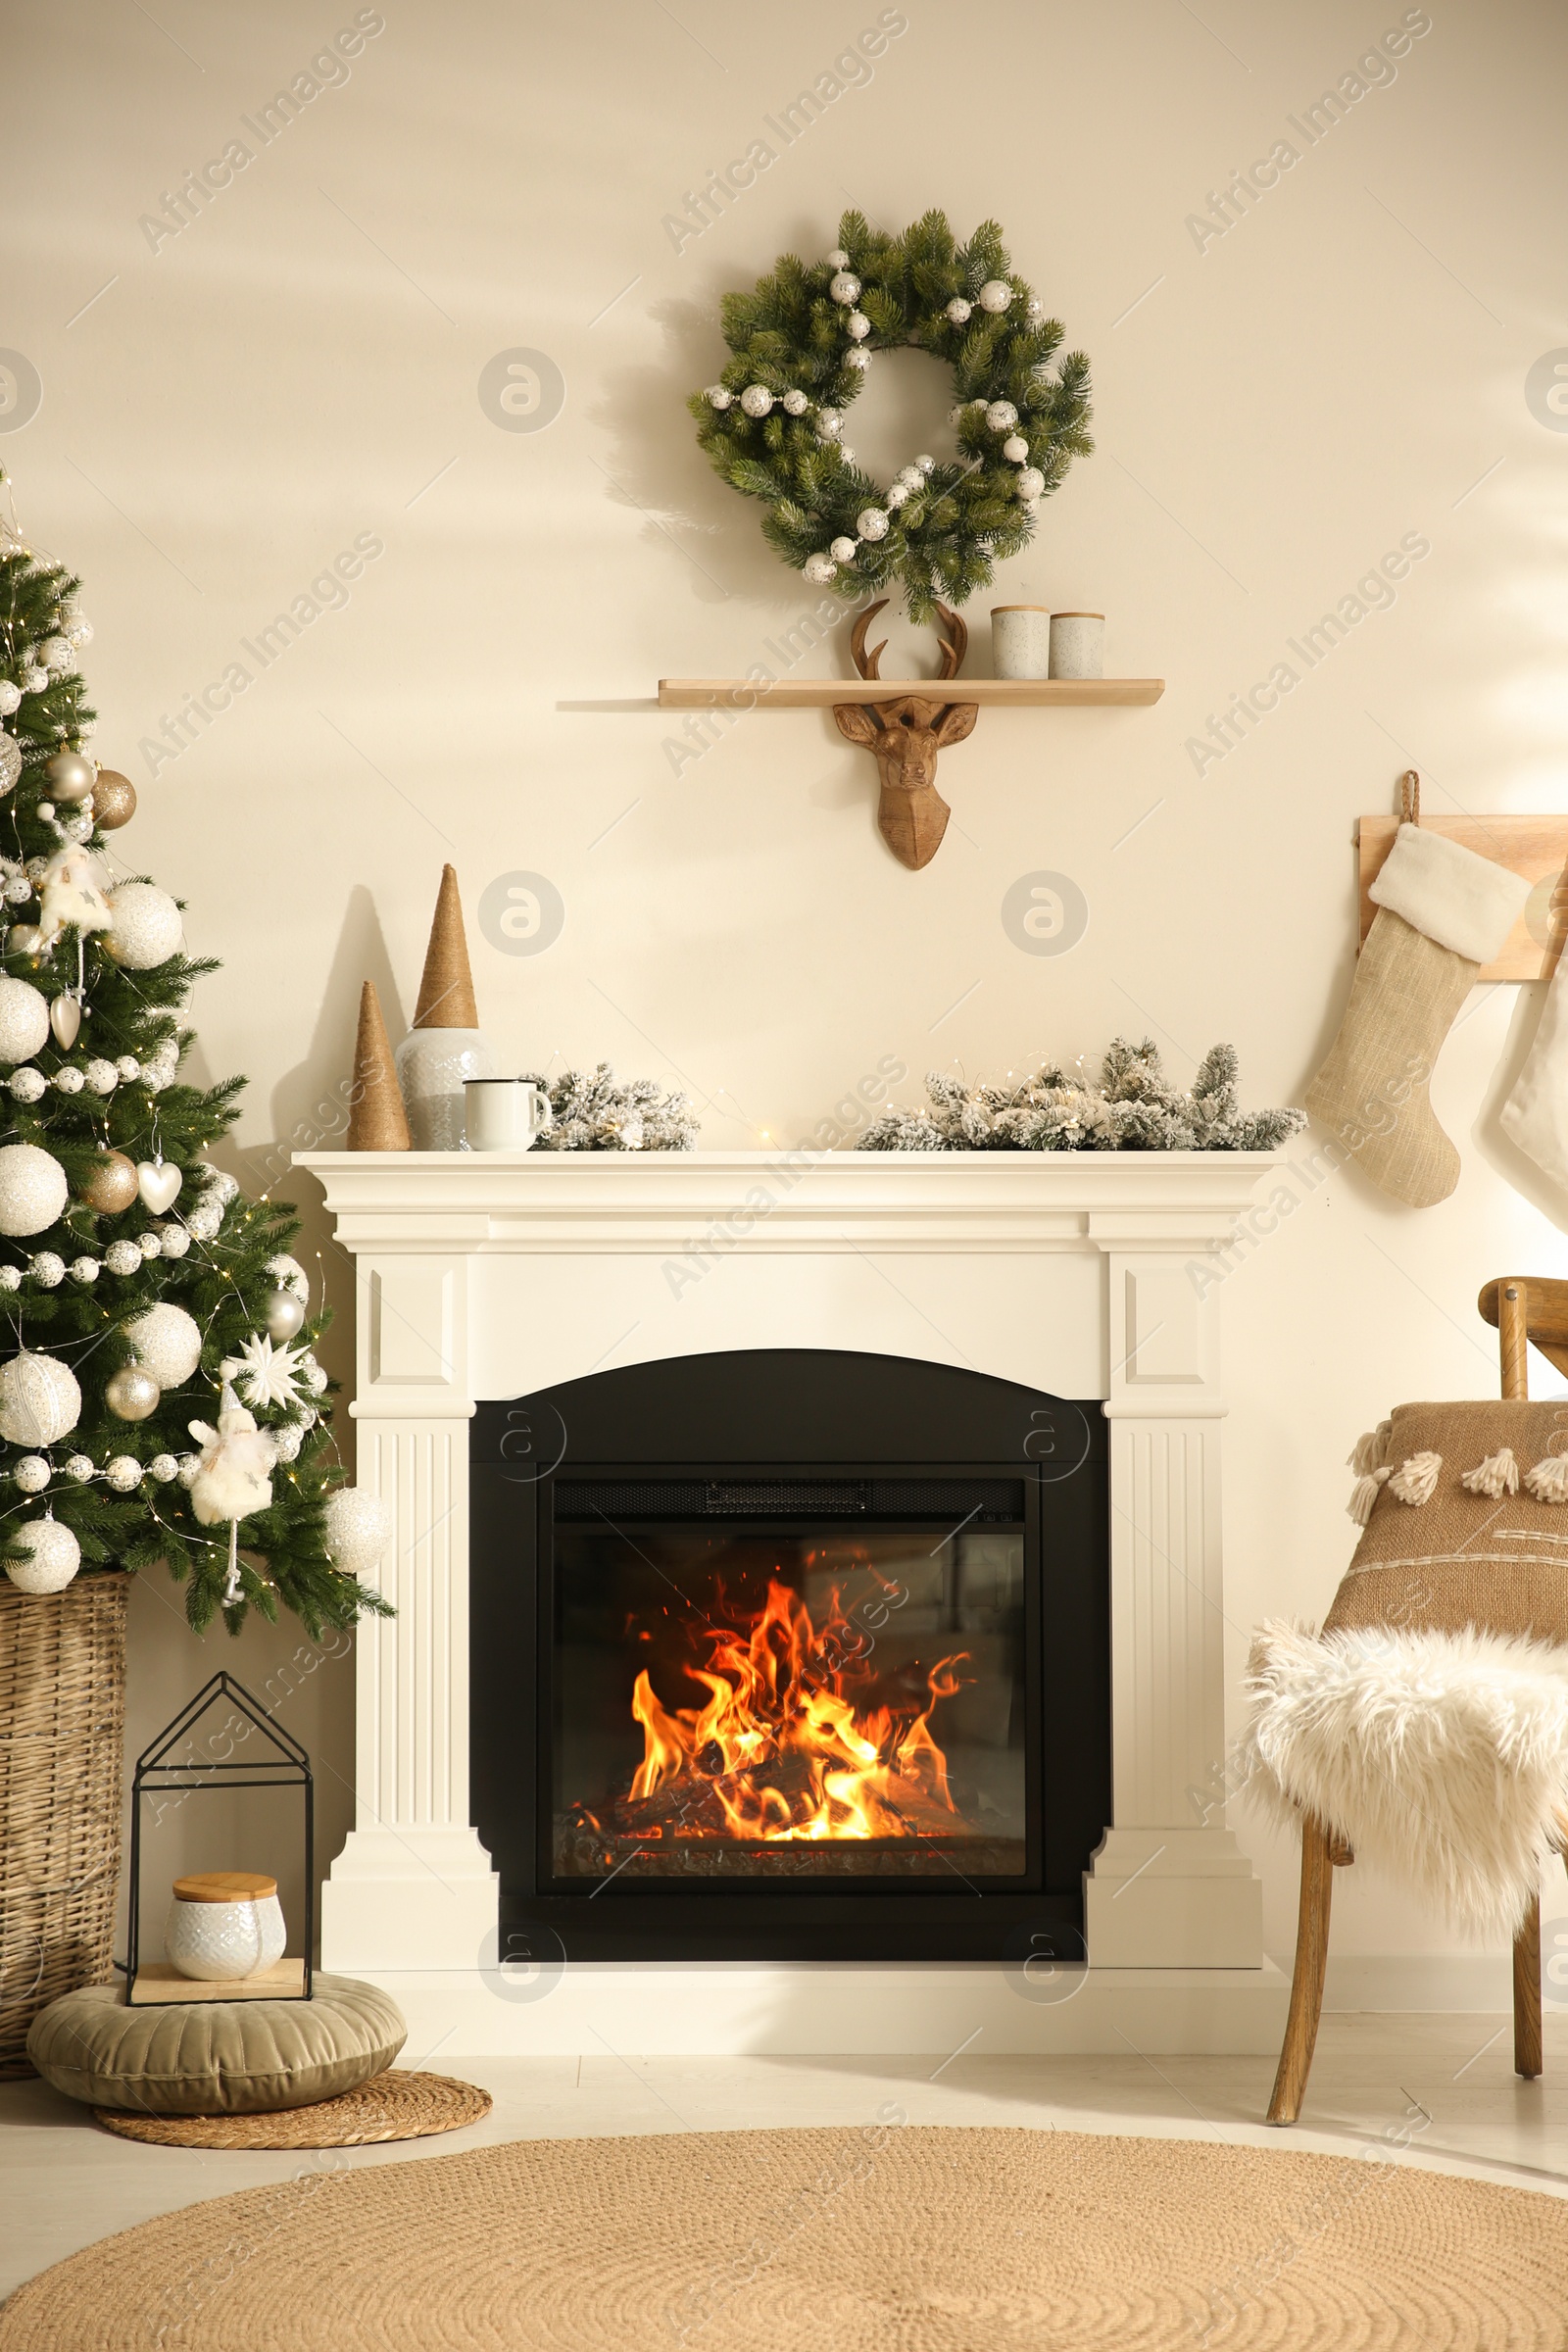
504, 1114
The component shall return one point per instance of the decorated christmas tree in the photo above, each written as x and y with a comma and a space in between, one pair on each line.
159, 1395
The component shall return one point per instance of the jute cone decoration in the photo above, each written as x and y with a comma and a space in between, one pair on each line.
445, 990
377, 1120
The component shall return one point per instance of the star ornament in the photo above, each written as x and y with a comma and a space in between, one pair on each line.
264, 1373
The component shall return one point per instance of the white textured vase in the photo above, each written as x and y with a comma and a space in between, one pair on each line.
433, 1067
218, 1942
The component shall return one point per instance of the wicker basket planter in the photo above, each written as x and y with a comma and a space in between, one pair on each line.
62, 1738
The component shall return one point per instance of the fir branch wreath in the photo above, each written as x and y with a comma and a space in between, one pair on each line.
801, 341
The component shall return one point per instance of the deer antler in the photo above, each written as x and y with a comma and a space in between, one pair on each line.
866, 663
955, 645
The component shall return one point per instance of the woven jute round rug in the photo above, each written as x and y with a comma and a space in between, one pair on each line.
872, 2238
390, 2106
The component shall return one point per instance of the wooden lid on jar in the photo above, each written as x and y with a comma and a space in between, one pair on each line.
224, 1886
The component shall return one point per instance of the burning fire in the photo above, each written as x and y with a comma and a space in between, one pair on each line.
783, 1749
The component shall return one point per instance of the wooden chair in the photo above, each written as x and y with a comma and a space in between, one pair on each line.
1523, 1309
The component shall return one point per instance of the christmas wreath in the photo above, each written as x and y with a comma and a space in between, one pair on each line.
802, 340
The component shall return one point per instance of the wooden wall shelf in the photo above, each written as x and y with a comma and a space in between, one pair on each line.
817, 694
1535, 847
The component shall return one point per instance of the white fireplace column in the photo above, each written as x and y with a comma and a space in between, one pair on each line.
1169, 1886
1082, 1275
413, 1889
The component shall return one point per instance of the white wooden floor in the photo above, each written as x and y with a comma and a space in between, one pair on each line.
1440, 2091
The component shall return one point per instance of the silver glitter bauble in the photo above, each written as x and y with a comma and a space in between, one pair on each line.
53, 1556
40, 1401
167, 1344
358, 1528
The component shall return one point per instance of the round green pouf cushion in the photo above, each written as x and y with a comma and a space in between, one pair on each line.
216, 2057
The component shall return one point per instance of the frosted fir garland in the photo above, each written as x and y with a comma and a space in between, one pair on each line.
1132, 1108
593, 1110
801, 342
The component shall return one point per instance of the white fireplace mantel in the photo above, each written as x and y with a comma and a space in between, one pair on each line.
1086, 1275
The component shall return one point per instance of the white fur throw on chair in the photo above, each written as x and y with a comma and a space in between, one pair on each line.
1442, 1758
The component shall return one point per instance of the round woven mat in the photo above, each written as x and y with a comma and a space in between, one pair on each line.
858, 2238
390, 2106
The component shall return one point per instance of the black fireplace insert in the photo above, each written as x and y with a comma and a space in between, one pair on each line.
790, 1655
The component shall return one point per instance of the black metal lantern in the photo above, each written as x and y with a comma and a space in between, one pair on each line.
285, 1766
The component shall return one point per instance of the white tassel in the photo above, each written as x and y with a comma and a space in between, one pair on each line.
1547, 1481
1364, 1494
1497, 1475
1371, 1452
1416, 1480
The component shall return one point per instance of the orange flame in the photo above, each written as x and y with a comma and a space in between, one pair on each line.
783, 1749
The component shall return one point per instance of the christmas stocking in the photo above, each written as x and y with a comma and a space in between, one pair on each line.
1535, 1113
1442, 912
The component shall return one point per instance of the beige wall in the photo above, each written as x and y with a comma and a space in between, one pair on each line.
300, 365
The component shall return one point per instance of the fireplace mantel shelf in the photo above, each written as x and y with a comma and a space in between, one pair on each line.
821, 1202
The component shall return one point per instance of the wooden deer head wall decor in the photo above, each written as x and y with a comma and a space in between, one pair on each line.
905, 734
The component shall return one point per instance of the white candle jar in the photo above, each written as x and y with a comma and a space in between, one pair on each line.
224, 1925
1077, 644
1020, 641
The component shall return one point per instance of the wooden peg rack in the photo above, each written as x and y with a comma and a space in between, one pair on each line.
1535, 847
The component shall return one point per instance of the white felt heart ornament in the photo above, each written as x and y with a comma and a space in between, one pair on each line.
158, 1186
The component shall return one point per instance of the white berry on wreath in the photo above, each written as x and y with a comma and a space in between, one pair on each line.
79, 1466
27, 1085
847, 454
871, 523
1031, 482
897, 494
163, 1467
838, 259
123, 1472
795, 401
859, 325
859, 360
48, 1269
1015, 449
995, 295
102, 1077
1002, 415
960, 311
819, 569
84, 1270
69, 1079
757, 400
843, 550
845, 288
122, 1257
717, 397
926, 465
829, 420
10, 697
31, 1474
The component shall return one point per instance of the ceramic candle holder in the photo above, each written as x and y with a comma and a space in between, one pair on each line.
1077, 644
224, 1926
1020, 641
